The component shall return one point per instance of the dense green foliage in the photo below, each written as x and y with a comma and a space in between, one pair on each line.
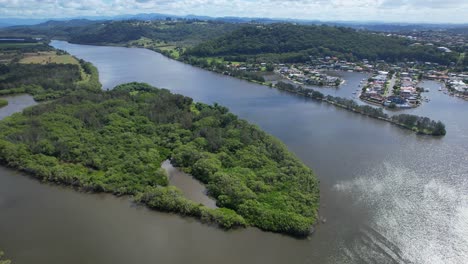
47, 81
421, 125
115, 141
3, 102
296, 43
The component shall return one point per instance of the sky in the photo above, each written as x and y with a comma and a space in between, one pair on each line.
429, 11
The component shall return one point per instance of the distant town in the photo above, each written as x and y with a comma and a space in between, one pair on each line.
390, 85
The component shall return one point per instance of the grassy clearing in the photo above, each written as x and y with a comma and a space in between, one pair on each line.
169, 49
49, 57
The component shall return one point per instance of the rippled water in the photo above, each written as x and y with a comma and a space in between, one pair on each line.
388, 195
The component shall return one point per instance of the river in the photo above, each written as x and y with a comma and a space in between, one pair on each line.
389, 196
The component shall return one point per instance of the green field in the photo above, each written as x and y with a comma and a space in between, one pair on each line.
169, 49
49, 57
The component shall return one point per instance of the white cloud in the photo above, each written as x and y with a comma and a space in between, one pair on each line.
387, 10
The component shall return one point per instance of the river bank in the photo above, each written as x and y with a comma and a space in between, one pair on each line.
440, 131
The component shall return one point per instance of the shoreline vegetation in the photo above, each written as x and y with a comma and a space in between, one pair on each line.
3, 102
115, 142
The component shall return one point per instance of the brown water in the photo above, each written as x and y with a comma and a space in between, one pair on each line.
389, 196
191, 188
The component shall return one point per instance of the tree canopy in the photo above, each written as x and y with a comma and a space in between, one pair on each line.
296, 43
47, 81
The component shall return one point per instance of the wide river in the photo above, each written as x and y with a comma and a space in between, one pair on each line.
388, 195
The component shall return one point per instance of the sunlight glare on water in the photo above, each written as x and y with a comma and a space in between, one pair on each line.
425, 218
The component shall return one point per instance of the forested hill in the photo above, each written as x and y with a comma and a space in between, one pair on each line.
280, 42
121, 32
296, 43
191, 32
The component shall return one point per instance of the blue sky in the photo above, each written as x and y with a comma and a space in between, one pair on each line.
431, 11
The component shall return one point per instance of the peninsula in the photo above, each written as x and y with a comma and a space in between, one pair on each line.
115, 142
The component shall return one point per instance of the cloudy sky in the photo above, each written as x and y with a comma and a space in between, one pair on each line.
433, 11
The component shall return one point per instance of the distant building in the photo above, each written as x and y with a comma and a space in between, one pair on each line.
444, 49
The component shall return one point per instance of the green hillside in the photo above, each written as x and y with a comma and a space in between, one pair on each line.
296, 43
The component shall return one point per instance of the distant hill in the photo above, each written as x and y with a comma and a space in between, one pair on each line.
49, 29
364, 25
8, 22
460, 30
189, 32
296, 43
121, 32
275, 42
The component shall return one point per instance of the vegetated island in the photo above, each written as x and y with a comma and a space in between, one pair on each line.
3, 102
115, 141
